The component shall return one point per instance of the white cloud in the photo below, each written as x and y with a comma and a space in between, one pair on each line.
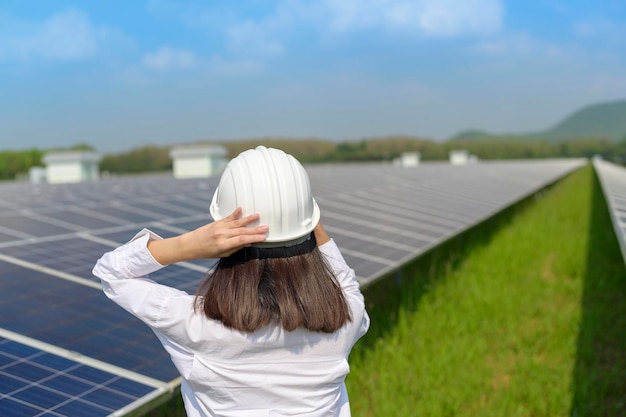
520, 45
166, 58
437, 18
68, 35
254, 39
596, 28
427, 17
605, 32
65, 36
268, 35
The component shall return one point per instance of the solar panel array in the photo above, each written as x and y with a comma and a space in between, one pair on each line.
58, 332
35, 382
613, 181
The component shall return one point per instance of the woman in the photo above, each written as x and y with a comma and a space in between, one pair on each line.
269, 331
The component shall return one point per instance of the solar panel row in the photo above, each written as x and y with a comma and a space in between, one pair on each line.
613, 181
384, 216
51, 235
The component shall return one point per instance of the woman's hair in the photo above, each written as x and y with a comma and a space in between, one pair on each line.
291, 286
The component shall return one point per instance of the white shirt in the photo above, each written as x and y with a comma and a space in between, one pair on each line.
225, 372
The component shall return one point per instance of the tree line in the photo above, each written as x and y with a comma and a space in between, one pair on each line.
156, 158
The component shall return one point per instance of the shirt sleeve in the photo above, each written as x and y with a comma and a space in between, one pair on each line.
124, 273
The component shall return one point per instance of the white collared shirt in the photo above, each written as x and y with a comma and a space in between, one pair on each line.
225, 372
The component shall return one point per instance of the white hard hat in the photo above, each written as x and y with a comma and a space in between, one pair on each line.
274, 184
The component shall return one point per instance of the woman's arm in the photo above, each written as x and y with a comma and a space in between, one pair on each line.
124, 271
214, 240
320, 234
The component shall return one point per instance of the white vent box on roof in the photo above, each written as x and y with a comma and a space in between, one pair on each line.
410, 159
198, 161
70, 167
459, 157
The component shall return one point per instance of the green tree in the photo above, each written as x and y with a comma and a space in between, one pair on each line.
143, 159
13, 163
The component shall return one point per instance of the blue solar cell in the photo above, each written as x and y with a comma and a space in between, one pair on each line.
11, 408
53, 361
80, 219
119, 237
67, 384
4, 360
163, 212
7, 238
42, 397
8, 383
32, 226
27, 371
125, 216
130, 387
107, 398
18, 349
91, 374
82, 409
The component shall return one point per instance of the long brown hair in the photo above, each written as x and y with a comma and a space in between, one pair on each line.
291, 286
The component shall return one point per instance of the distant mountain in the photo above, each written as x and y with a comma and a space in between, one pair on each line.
601, 120
471, 134
606, 120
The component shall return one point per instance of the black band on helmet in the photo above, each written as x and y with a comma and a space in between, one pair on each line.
253, 252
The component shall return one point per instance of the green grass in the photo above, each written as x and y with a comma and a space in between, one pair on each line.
524, 315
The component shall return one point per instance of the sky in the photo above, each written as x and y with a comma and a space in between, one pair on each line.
123, 74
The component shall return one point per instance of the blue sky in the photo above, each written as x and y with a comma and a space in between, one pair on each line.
122, 74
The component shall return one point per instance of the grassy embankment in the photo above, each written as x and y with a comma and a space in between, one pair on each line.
524, 315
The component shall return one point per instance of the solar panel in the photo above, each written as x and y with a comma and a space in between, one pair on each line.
34, 382
71, 254
79, 219
613, 182
78, 318
380, 215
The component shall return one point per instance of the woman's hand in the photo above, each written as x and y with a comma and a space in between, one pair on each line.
214, 240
